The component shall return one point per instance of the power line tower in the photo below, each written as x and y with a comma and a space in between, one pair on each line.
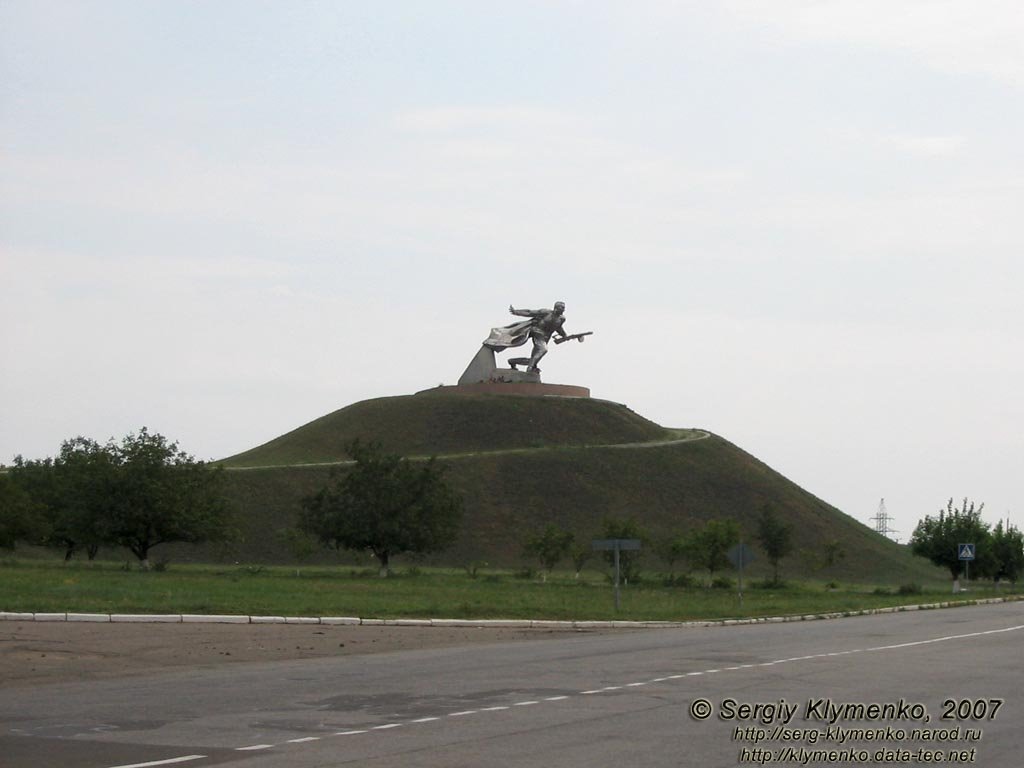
882, 520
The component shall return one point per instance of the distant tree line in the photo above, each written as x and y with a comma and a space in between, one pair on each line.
137, 493
998, 552
705, 548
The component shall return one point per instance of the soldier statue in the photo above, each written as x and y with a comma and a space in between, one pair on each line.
539, 327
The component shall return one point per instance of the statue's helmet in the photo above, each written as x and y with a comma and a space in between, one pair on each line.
560, 305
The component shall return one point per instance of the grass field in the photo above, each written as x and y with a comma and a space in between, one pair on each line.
419, 593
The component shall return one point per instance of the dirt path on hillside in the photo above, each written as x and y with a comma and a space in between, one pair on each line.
683, 436
34, 653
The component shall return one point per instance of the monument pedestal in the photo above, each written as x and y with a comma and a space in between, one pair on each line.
513, 376
524, 388
483, 376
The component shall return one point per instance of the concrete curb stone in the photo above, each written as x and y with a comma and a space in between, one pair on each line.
198, 618
175, 618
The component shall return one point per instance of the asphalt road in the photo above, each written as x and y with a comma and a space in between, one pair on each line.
587, 700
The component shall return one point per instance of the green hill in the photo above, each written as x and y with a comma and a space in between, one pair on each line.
435, 423
521, 462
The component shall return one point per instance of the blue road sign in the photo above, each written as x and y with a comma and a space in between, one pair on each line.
966, 551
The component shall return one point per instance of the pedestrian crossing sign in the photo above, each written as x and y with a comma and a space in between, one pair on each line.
966, 551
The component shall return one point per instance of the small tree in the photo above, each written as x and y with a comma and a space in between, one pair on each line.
775, 536
708, 548
834, 552
672, 550
549, 546
938, 538
579, 552
384, 504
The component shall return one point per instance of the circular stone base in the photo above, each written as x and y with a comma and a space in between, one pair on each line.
513, 388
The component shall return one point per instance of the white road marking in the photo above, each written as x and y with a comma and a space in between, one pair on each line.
300, 741
494, 709
556, 698
425, 720
184, 759
348, 733
254, 747
461, 714
524, 703
386, 727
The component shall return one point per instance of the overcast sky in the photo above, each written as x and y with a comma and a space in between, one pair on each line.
796, 224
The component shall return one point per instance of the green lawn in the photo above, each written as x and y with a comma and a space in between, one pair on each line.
426, 593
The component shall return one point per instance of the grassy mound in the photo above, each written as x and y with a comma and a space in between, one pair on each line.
440, 423
523, 462
669, 489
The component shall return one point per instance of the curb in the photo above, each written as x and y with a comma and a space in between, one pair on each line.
192, 618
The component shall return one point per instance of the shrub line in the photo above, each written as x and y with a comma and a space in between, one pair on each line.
193, 618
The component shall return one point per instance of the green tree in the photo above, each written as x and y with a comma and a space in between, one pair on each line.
629, 560
708, 548
1007, 543
74, 491
549, 546
834, 552
160, 494
938, 538
384, 504
20, 518
579, 552
672, 550
775, 536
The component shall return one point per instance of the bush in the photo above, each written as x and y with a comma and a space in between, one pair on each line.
723, 582
882, 591
684, 580
910, 589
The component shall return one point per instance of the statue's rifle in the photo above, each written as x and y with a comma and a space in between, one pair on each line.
577, 336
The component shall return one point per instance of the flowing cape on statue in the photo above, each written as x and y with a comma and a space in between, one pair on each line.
514, 335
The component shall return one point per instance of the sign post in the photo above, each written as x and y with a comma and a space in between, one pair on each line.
615, 545
739, 556
965, 552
